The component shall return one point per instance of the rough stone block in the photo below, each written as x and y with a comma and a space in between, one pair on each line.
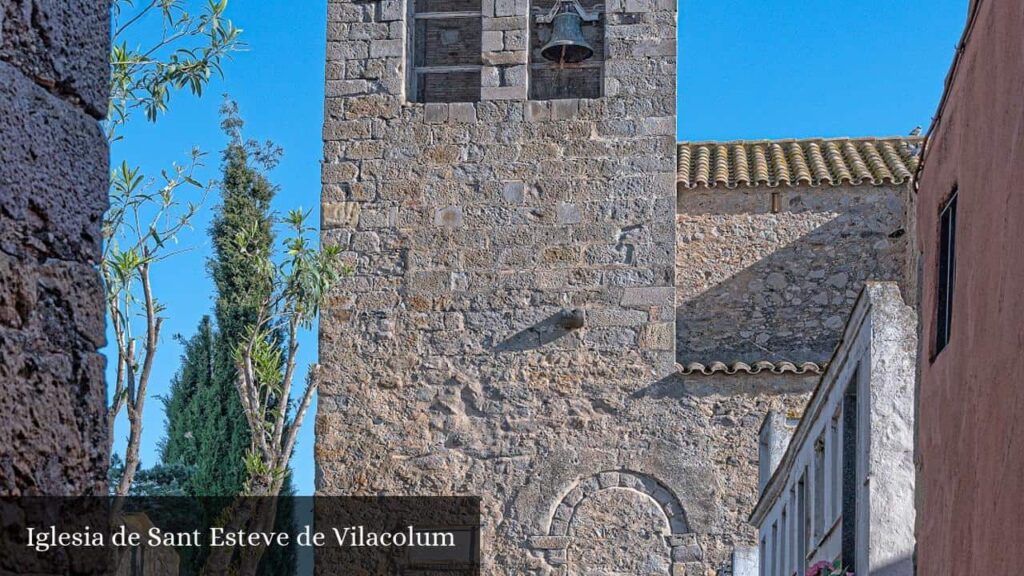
392, 10
515, 76
385, 48
504, 8
537, 110
516, 40
372, 105
503, 93
505, 57
568, 213
435, 113
490, 76
339, 172
648, 296
492, 41
462, 112
513, 192
364, 149
53, 162
339, 88
346, 130
56, 43
450, 217
339, 214
565, 109
660, 126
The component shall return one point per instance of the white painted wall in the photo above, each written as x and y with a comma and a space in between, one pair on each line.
877, 357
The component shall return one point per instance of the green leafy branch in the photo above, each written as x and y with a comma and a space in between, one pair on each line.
159, 47
186, 53
139, 230
288, 299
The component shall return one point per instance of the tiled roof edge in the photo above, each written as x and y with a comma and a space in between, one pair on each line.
781, 367
734, 164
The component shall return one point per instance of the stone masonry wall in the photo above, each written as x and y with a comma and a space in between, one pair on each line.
53, 185
753, 284
471, 227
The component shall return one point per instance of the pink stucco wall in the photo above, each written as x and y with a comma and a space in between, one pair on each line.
971, 396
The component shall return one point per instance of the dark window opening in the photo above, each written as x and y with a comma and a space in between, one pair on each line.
849, 429
775, 550
947, 274
784, 541
836, 474
819, 489
803, 520
791, 552
762, 565
446, 38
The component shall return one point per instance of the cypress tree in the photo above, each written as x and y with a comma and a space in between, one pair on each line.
207, 429
181, 406
206, 426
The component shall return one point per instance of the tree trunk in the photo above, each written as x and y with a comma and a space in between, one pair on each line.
253, 512
131, 454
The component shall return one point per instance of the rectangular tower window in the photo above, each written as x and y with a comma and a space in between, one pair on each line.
446, 37
947, 274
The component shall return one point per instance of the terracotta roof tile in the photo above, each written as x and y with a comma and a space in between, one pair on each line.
695, 368
807, 162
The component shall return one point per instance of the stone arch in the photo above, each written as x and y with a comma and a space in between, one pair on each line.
681, 544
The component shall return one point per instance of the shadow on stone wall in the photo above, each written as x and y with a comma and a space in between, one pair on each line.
534, 337
791, 304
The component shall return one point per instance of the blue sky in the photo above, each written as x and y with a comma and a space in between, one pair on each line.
747, 69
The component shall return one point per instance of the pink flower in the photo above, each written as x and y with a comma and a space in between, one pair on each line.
819, 568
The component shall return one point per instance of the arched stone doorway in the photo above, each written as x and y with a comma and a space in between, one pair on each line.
617, 523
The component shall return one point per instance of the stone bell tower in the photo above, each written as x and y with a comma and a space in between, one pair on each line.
510, 219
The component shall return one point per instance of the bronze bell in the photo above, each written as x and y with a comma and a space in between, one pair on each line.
567, 43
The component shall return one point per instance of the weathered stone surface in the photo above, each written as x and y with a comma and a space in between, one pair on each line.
447, 368
54, 160
53, 183
756, 285
60, 46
